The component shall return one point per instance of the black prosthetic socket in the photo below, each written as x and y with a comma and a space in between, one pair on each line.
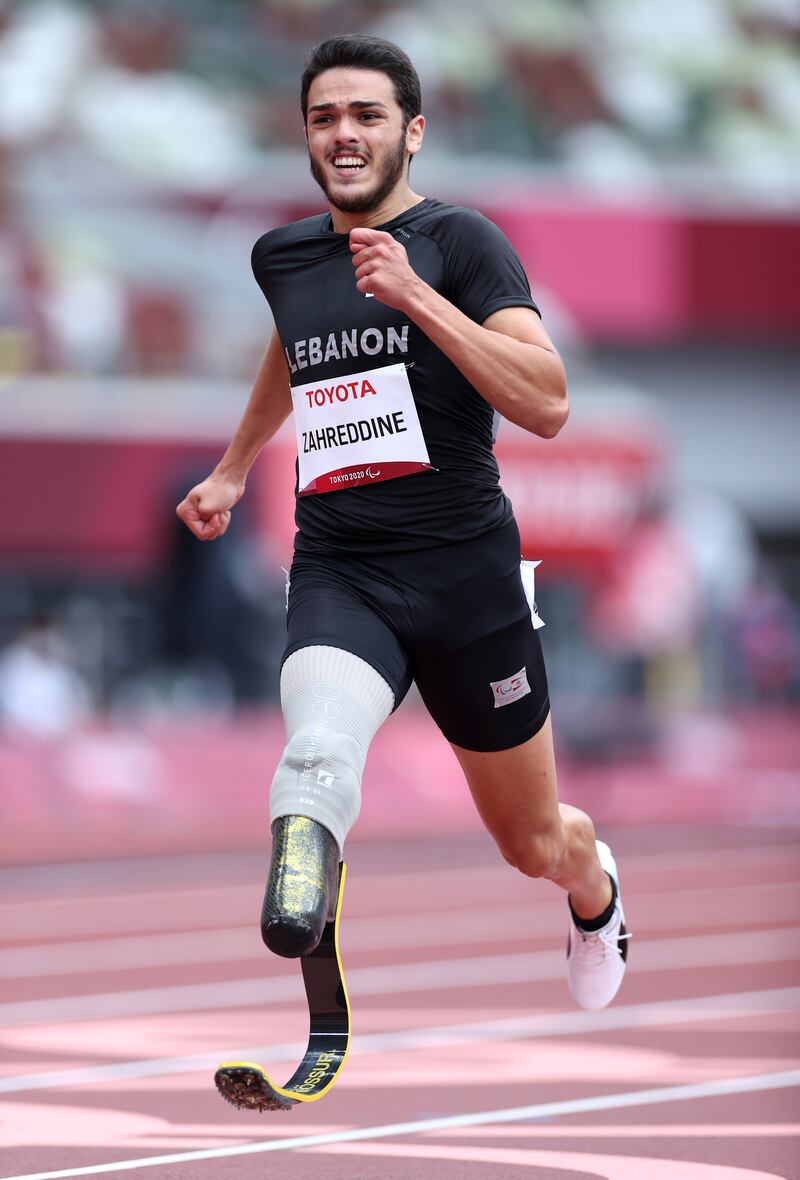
302, 886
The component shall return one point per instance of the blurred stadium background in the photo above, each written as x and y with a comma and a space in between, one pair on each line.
645, 163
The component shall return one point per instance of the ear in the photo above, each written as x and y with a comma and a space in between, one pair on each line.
414, 134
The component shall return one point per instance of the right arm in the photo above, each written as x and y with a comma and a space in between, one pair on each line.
206, 509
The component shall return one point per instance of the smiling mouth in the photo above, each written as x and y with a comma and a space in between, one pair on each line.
348, 165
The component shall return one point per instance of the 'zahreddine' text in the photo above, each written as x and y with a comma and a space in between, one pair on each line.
350, 432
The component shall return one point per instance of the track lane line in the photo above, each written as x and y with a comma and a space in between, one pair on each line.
652, 1097
636, 1131
434, 928
391, 882
653, 1014
666, 954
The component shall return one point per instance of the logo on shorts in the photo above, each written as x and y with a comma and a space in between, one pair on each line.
511, 689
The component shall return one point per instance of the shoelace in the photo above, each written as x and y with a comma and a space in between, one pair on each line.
595, 945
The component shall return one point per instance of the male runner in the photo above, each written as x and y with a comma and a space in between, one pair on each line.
403, 328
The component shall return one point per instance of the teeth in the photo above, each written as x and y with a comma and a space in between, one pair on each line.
348, 162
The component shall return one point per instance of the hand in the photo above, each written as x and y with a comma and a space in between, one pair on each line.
382, 267
206, 509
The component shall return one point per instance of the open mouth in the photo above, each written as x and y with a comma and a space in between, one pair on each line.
349, 165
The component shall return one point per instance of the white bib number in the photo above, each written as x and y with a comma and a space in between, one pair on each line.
358, 429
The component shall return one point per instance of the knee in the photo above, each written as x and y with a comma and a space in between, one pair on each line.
537, 854
314, 747
319, 776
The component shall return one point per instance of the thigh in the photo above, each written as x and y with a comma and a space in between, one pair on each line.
515, 791
325, 607
477, 658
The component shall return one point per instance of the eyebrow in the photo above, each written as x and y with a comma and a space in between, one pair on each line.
359, 103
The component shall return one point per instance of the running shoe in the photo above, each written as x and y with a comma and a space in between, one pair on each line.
596, 958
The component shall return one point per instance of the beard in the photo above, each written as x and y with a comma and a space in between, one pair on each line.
363, 202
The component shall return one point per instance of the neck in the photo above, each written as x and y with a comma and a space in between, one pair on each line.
392, 206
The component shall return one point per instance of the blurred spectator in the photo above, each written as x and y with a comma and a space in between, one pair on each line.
46, 49
42, 696
724, 557
767, 633
646, 613
21, 327
215, 634
141, 36
159, 332
84, 306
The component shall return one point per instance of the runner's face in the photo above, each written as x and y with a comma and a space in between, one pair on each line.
353, 116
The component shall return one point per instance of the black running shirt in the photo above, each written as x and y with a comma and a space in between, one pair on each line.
329, 329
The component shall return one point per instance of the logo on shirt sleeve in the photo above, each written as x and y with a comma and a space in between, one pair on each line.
511, 689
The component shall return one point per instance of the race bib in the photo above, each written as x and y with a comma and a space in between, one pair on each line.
358, 429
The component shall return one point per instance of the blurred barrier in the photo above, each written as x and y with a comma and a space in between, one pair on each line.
640, 273
202, 783
101, 505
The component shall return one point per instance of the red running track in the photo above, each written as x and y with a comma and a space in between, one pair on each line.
125, 983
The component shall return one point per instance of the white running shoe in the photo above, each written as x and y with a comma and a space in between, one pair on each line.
596, 958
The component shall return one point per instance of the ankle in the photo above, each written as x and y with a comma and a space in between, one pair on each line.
591, 910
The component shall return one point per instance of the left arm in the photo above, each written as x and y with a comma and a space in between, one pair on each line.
509, 359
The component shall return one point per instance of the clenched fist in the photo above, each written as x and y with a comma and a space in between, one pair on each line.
206, 509
382, 267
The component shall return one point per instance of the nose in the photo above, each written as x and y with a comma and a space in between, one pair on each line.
347, 132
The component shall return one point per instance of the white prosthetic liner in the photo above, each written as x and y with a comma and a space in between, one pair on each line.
333, 705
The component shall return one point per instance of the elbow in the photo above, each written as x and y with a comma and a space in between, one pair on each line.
555, 418
554, 404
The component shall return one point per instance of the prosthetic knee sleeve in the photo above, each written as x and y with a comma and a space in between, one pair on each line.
333, 703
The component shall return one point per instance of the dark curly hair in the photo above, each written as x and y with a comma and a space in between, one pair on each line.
360, 51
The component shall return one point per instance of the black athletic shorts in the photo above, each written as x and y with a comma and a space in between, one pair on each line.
453, 618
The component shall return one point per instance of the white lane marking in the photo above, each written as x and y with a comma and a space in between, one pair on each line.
92, 871
124, 954
444, 928
661, 1094
544, 1025
391, 883
636, 1131
668, 954
189, 907
539, 1159
78, 913
117, 912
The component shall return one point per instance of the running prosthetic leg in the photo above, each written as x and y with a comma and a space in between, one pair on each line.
300, 918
